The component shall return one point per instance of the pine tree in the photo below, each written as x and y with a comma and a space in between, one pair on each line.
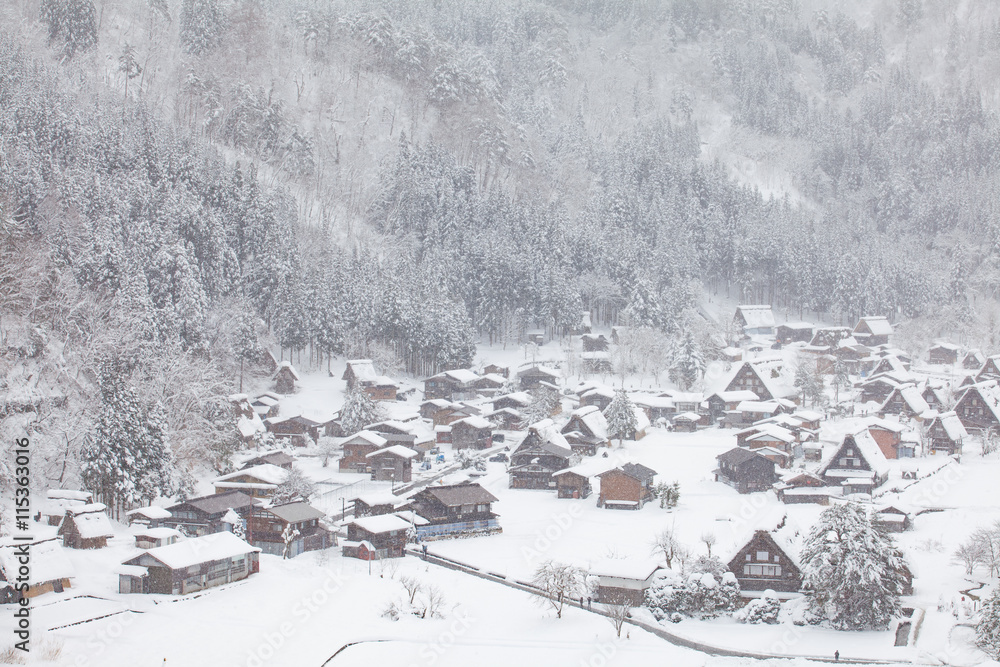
359, 410
988, 628
853, 571
72, 22
687, 363
246, 347
202, 24
620, 414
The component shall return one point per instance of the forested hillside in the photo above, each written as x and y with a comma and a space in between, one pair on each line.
184, 181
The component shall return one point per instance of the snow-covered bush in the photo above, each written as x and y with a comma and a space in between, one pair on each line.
699, 594
988, 628
762, 610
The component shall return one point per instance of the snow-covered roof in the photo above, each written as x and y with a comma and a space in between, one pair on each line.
152, 512
885, 425
286, 365
197, 550
808, 415
161, 533
248, 426
687, 417
395, 450
49, 562
953, 426
650, 401
911, 396
757, 317
539, 369
460, 375
768, 407
363, 370
368, 437
940, 345
776, 433
267, 473
549, 434
594, 419
382, 523
641, 420
296, 512
737, 395
91, 521
69, 494
475, 421
878, 326
638, 569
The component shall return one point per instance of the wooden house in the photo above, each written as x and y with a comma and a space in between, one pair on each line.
257, 482
858, 465
515, 401
453, 385
892, 519
877, 389
387, 533
794, 332
802, 487
873, 331
655, 407
944, 354
296, 429
285, 378
536, 336
586, 430
267, 528
361, 373
505, 419
745, 470
979, 406
572, 483
49, 571
392, 464
150, 538
626, 487
762, 564
86, 527
358, 371
623, 580
280, 459
888, 435
904, 400
150, 517
490, 384
686, 422
937, 397
945, 434
828, 337
973, 360
537, 374
776, 438
268, 362
191, 565
374, 504
413, 434
436, 410
600, 397
57, 501
724, 401
248, 422
456, 510
594, 343
754, 320
542, 452
893, 367
493, 369
266, 405
990, 369
357, 448
473, 432
204, 515
749, 377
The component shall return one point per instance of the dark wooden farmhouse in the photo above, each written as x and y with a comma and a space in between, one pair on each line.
267, 527
534, 375
386, 534
858, 465
296, 429
280, 459
754, 320
392, 464
452, 385
285, 378
979, 405
794, 332
745, 470
762, 564
626, 487
191, 565
542, 452
945, 354
358, 447
457, 510
572, 483
973, 360
872, 331
202, 516
945, 434
86, 527
472, 432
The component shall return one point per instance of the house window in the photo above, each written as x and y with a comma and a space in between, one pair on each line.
748, 557
762, 555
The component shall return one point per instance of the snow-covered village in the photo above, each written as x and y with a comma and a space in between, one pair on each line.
529, 332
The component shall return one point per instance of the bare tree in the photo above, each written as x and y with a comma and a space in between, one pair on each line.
666, 542
619, 608
433, 602
412, 586
557, 582
709, 540
969, 555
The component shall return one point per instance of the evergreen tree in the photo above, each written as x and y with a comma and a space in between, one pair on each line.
852, 570
688, 363
246, 347
126, 459
359, 410
620, 414
988, 628
202, 25
71, 22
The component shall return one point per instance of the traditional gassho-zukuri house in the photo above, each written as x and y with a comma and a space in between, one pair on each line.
456, 510
190, 565
858, 465
762, 564
86, 527
979, 405
754, 320
543, 452
50, 569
